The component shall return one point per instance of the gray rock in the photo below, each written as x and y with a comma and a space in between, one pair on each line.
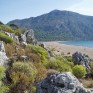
13, 36
22, 38
3, 57
81, 59
61, 83
30, 38
42, 45
23, 44
24, 58
2, 49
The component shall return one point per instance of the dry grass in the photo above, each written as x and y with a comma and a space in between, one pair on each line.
51, 72
87, 83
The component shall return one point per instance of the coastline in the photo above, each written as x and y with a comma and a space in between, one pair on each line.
60, 48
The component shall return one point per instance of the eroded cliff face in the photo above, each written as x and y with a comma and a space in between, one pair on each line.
61, 83
3, 57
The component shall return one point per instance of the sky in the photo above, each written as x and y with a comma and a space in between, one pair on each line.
20, 9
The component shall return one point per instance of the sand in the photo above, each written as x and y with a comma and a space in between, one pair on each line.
68, 49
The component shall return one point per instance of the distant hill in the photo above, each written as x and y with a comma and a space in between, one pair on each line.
59, 25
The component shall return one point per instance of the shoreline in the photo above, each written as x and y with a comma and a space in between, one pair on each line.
60, 48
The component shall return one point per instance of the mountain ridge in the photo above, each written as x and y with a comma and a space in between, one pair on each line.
59, 25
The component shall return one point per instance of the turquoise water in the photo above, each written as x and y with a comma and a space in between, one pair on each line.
78, 43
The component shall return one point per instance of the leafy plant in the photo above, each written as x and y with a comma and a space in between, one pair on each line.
79, 71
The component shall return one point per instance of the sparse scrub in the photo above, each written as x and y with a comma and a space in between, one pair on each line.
41, 52
59, 66
87, 83
5, 38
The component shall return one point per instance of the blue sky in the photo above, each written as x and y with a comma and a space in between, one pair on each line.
19, 9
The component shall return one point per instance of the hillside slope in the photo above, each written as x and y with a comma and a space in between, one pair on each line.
59, 25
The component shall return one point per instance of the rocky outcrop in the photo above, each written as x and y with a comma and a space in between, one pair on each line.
3, 57
26, 38
81, 59
61, 83
22, 38
13, 36
30, 38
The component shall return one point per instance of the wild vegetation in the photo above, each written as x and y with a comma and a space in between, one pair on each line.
5, 38
24, 75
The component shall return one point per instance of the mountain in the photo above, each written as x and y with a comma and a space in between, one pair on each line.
59, 25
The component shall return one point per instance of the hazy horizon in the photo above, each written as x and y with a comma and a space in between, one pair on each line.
20, 9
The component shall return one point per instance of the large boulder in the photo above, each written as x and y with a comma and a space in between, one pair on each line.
3, 57
81, 59
61, 83
30, 38
22, 38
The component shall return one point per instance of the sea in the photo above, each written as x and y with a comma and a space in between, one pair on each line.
88, 44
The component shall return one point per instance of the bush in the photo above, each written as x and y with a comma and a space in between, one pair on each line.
5, 38
23, 72
79, 71
41, 72
9, 29
3, 88
69, 58
58, 65
14, 49
41, 52
91, 70
2, 69
23, 76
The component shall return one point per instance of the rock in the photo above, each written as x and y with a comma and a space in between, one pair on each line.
3, 57
30, 38
13, 36
50, 53
23, 44
61, 83
42, 45
24, 58
81, 59
2, 49
22, 38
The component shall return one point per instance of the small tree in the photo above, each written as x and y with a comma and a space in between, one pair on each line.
79, 71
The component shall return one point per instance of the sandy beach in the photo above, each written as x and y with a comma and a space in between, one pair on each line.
68, 49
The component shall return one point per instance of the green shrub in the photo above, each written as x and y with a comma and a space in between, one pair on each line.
5, 38
41, 52
69, 58
34, 89
23, 72
79, 71
2, 69
23, 76
9, 29
58, 65
91, 70
3, 88
41, 72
